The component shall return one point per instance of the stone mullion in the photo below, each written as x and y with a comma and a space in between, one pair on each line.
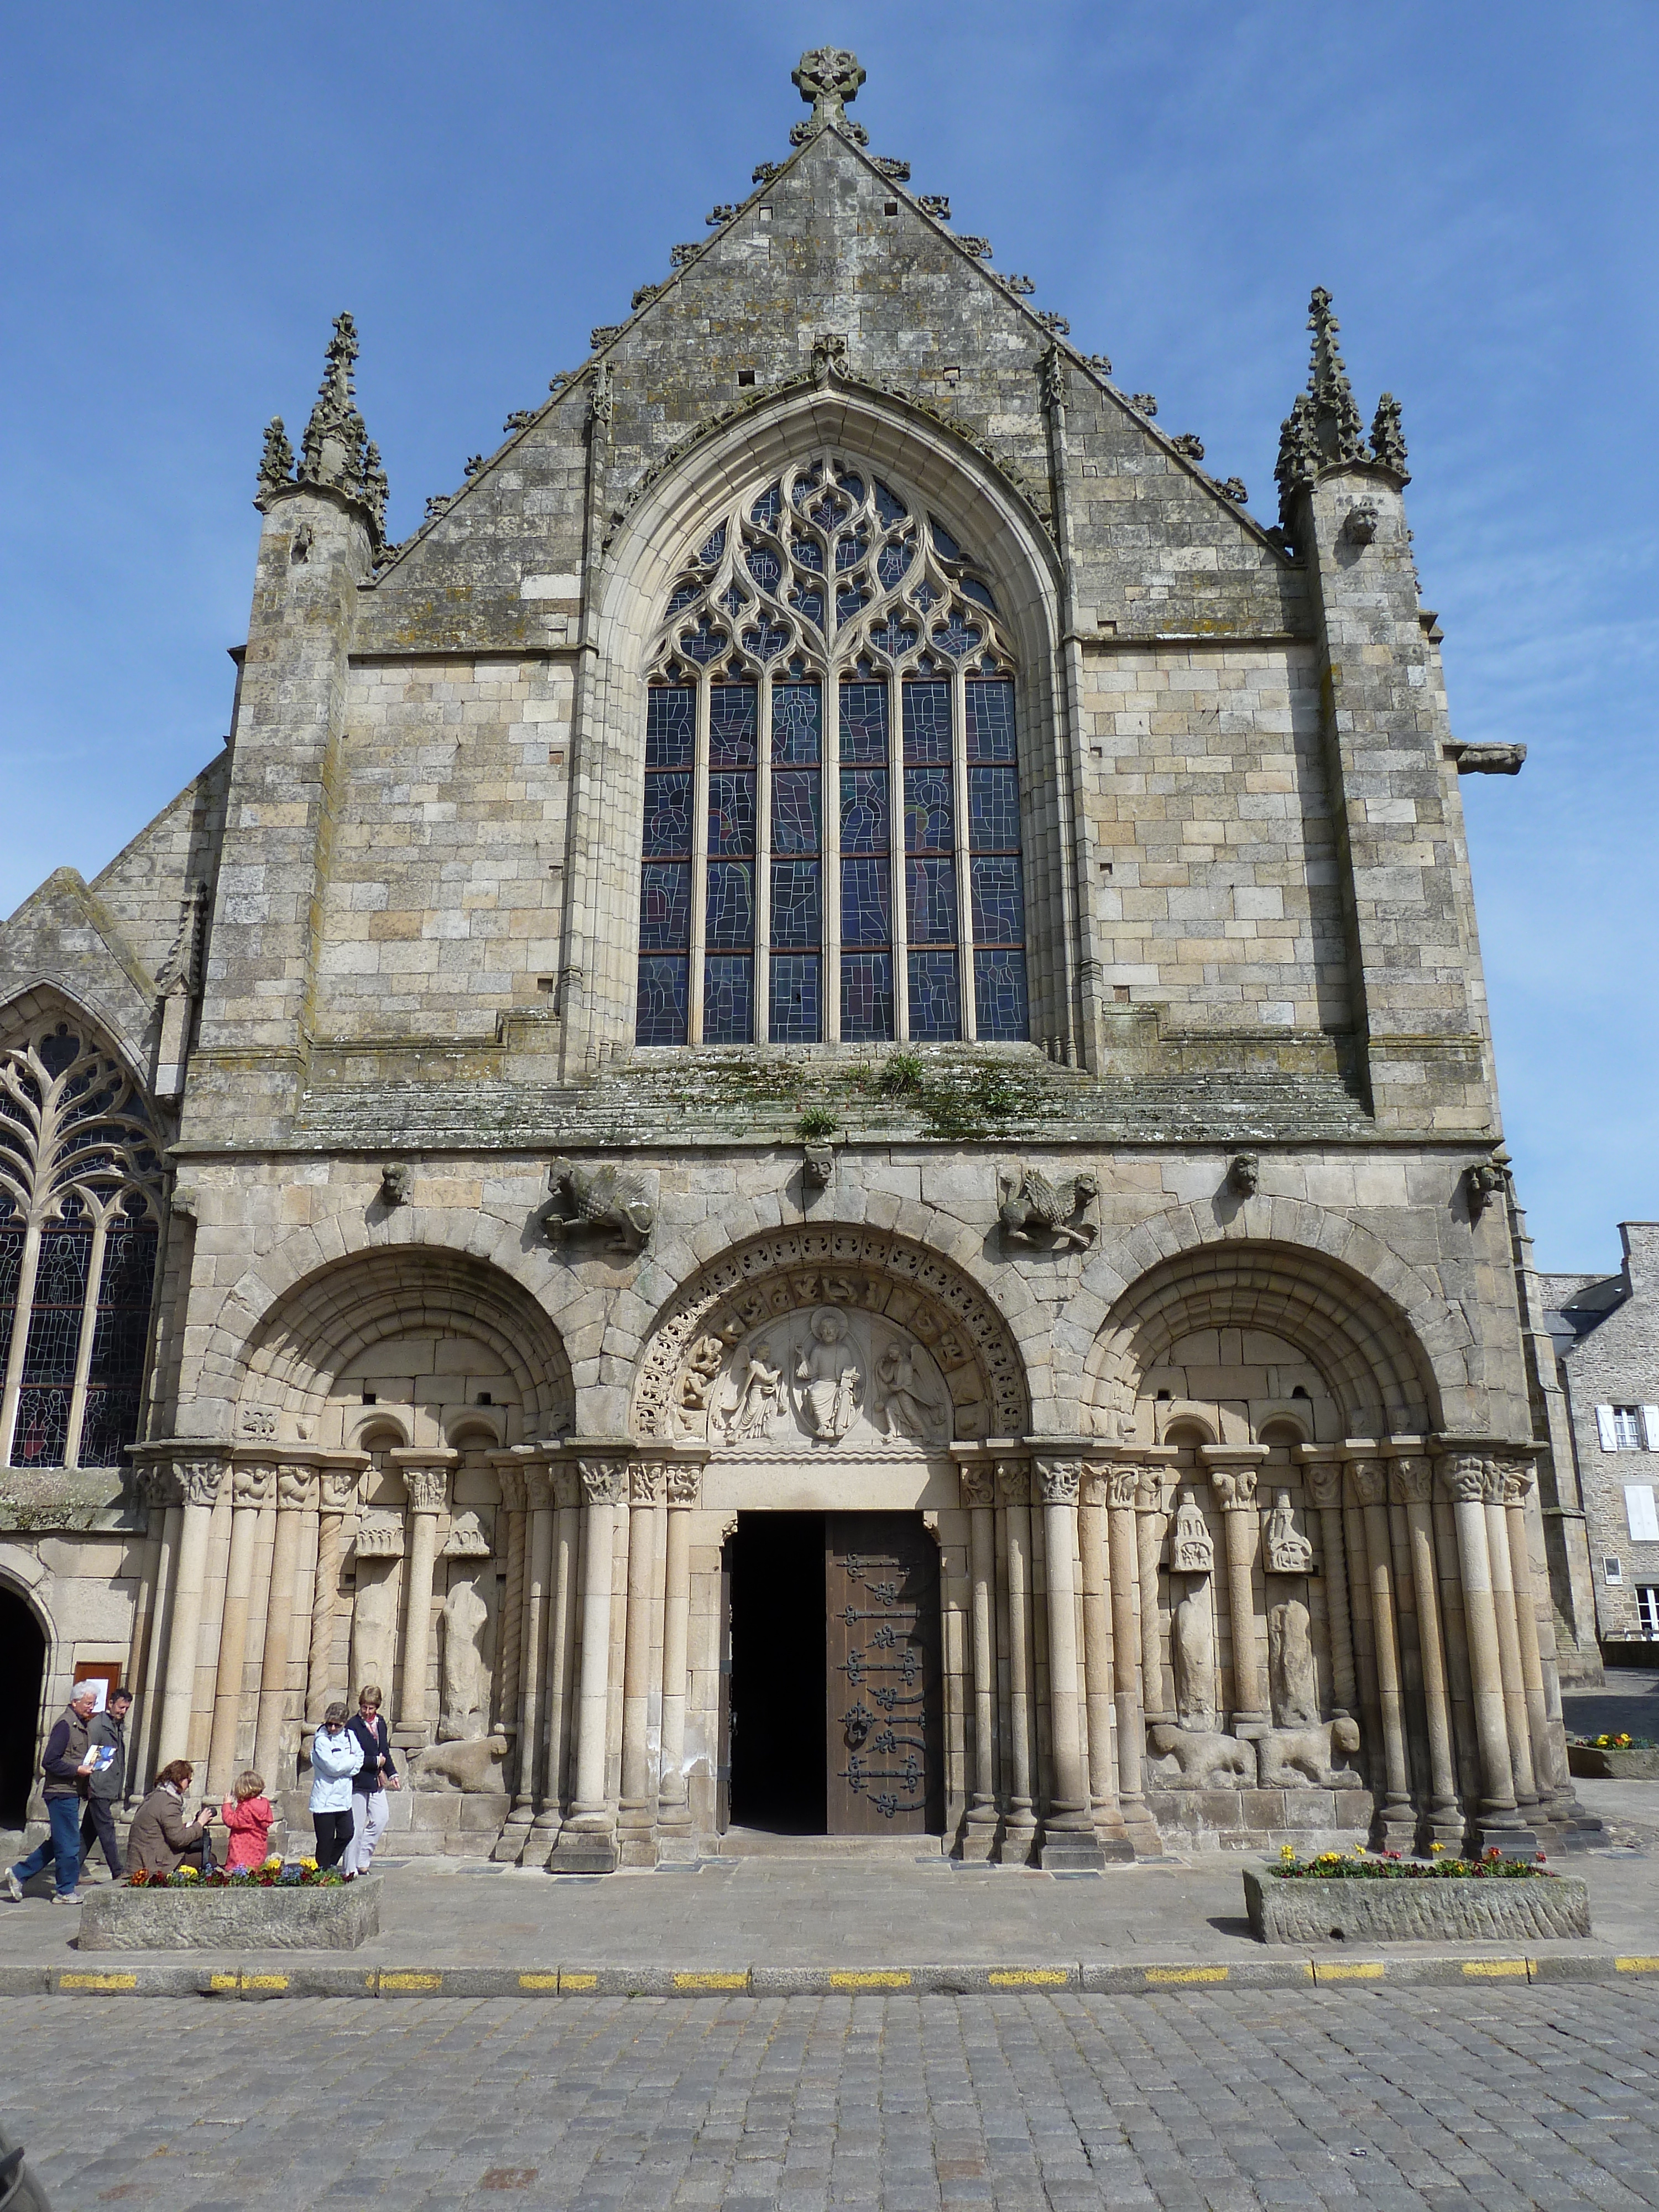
699, 932
761, 978
898, 935
29, 1268
830, 844
87, 1331
966, 995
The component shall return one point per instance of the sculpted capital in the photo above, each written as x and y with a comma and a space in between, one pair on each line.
199, 1481
684, 1486
647, 1484
1370, 1480
1463, 1477
978, 1488
339, 1489
427, 1488
1059, 1480
605, 1481
295, 1487
1013, 1482
1123, 1488
1410, 1480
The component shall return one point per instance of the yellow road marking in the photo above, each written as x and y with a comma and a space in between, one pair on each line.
1362, 1970
1636, 1966
578, 1981
1018, 1977
1186, 1973
224, 1981
711, 1981
411, 1981
1493, 1970
264, 1981
875, 1981
98, 1981
538, 1981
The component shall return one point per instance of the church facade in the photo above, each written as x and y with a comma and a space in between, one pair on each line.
803, 1132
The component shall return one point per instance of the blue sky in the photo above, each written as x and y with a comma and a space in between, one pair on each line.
188, 194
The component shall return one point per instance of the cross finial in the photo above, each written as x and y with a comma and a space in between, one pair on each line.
828, 77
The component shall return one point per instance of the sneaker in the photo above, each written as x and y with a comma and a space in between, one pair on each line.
13, 1888
64, 1897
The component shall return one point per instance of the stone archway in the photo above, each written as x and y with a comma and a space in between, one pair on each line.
888, 1288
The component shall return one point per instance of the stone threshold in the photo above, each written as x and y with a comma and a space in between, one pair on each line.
1097, 1979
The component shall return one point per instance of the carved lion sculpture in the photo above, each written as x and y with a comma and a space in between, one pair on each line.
1292, 1758
602, 1199
1034, 1210
1189, 1760
473, 1765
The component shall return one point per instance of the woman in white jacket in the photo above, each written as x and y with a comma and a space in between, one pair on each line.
336, 1755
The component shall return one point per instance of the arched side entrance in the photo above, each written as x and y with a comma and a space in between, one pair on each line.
22, 1669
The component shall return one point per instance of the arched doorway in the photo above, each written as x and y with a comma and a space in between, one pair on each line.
22, 1666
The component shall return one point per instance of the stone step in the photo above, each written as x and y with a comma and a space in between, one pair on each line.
764, 1843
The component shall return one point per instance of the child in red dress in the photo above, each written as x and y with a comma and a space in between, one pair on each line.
249, 1816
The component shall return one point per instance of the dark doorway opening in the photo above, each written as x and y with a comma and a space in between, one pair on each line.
22, 1662
778, 1674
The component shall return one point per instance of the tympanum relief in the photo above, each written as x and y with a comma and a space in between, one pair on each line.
823, 1379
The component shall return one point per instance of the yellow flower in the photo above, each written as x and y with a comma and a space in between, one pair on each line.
310, 1865
1435, 1850
191, 1874
274, 1860
1287, 1851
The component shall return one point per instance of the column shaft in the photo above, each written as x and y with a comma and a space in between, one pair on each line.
602, 1487
294, 1486
201, 1479
250, 1486
1516, 1719
1371, 1483
1413, 1480
1465, 1477
1097, 1659
1069, 1837
1150, 1523
1517, 1481
532, 1660
637, 1805
1013, 1488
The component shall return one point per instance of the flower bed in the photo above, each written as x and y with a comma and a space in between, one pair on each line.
265, 1909
1618, 1758
275, 1873
1343, 1896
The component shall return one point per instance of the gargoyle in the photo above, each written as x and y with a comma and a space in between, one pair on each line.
1034, 1210
599, 1199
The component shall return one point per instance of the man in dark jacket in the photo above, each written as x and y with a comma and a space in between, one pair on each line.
107, 1780
65, 1764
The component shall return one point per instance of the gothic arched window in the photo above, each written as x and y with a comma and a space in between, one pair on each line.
80, 1173
832, 833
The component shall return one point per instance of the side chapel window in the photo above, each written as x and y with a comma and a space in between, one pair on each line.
832, 840
80, 1176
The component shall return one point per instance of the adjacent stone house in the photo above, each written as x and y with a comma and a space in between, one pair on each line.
1606, 1330
803, 1133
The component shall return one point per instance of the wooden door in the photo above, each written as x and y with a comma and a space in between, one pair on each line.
886, 1733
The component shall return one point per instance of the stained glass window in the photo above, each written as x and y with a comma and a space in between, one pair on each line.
856, 876
80, 1168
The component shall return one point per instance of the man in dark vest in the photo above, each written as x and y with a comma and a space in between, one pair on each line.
106, 1739
65, 1763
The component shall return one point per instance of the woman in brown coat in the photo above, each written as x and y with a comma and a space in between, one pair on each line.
161, 1839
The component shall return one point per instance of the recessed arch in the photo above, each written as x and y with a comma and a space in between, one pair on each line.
1363, 1346
331, 1318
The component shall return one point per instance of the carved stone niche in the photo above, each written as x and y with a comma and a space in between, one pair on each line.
1034, 1210
604, 1202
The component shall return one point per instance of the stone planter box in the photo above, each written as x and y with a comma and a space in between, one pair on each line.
118, 1918
1613, 1765
1473, 1909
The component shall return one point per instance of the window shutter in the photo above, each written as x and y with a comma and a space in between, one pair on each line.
1604, 1428
1641, 1514
1650, 1427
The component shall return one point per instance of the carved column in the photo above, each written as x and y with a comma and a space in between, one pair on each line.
1322, 1472
199, 1479
1069, 1841
510, 1646
296, 1486
1371, 1488
1122, 1486
585, 1836
564, 1604
979, 1498
1151, 1523
1014, 1502
336, 1491
165, 1502
251, 1486
425, 1478
1233, 1481
1463, 1475
646, 1488
673, 1793
1412, 1479
1509, 1642
532, 1641
1518, 1480
1098, 1665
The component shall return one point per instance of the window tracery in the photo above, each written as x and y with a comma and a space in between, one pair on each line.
832, 847
80, 1217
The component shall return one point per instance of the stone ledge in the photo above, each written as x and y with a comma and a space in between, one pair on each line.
1097, 1979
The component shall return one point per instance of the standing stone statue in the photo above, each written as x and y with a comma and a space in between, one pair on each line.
374, 1634
1286, 1549
905, 1405
1192, 1655
1292, 1682
466, 1689
1193, 1549
752, 1418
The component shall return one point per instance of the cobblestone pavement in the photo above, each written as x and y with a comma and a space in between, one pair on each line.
1534, 2097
